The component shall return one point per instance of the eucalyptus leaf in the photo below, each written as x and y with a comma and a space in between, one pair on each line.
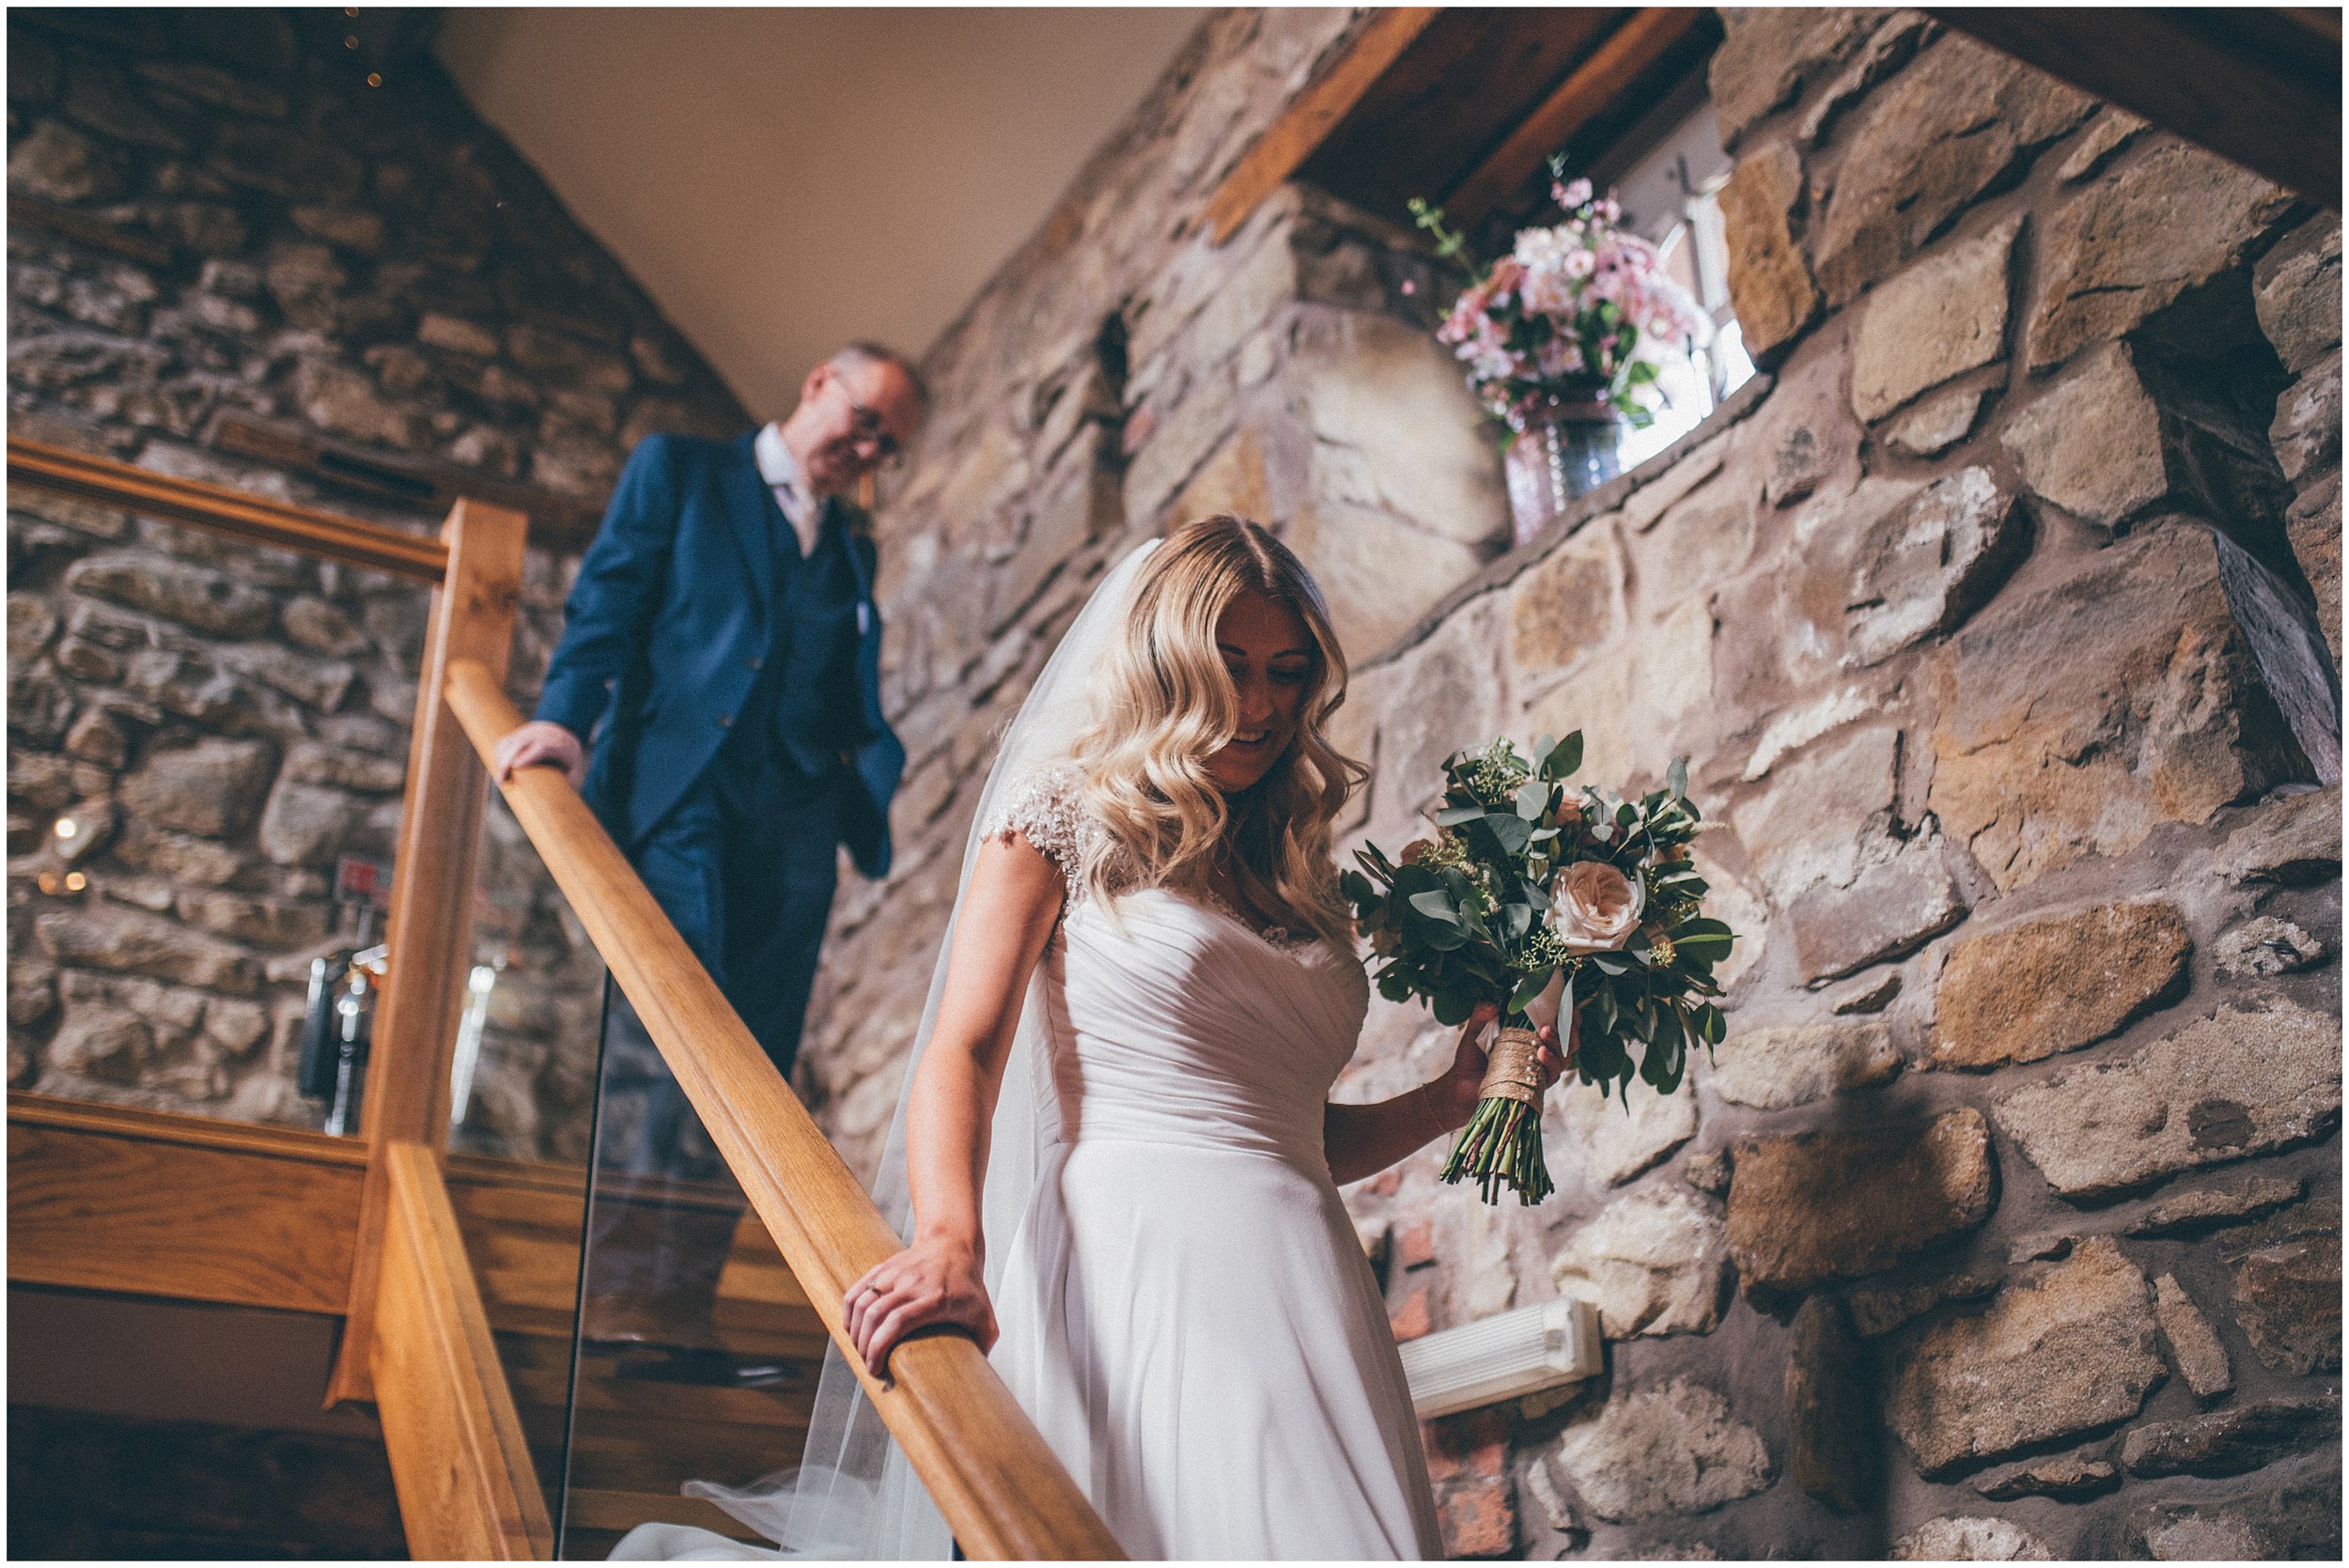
1510, 831
1436, 904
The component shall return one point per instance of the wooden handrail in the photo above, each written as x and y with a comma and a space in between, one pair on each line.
1000, 1488
242, 516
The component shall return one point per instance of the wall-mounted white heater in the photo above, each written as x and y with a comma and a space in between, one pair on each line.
1504, 1356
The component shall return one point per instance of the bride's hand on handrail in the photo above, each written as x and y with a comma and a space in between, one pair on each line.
928, 1285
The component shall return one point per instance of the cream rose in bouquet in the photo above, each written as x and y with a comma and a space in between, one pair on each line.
1531, 889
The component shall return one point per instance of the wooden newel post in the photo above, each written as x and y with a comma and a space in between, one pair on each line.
430, 937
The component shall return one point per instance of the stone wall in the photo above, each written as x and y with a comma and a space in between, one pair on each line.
2006, 1221
1988, 620
225, 218
1122, 373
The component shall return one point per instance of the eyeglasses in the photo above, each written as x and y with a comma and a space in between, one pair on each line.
867, 425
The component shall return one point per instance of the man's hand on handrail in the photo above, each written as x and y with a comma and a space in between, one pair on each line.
541, 743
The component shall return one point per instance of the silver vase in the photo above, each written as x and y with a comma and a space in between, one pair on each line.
1564, 450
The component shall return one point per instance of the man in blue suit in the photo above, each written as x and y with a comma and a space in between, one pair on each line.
720, 664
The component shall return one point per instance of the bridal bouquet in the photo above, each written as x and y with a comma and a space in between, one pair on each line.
1565, 317
1530, 883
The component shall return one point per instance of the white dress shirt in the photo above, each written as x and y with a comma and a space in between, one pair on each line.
800, 505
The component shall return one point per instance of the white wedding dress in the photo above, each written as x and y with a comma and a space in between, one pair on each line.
1185, 1310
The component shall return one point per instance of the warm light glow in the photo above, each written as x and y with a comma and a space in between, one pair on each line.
375, 79
350, 40
75, 881
51, 882
67, 827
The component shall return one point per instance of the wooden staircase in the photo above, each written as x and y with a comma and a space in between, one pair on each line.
455, 1280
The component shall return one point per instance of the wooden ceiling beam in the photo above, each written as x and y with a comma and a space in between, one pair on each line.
2260, 85
1638, 43
1314, 113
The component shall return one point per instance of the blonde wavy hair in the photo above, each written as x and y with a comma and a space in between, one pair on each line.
1165, 704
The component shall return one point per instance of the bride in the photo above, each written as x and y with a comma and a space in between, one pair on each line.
1119, 1161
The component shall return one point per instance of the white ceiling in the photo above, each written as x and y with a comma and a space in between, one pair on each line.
783, 180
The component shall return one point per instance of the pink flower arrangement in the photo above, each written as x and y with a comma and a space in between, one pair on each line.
1573, 313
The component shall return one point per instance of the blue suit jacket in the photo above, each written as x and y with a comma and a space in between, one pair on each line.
670, 608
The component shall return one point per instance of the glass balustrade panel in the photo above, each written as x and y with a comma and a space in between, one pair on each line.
207, 742
697, 1354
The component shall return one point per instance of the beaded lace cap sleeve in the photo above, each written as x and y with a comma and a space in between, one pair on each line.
1046, 809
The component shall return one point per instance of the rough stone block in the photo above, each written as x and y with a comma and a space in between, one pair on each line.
2066, 1475
285, 163
1774, 1068
210, 788
1388, 391
346, 402
1661, 1452
1826, 1206
2193, 1343
129, 941
1892, 909
1651, 1262
1769, 278
58, 164
2108, 134
2057, 983
262, 921
1569, 605
307, 824
1924, 147
1770, 54
194, 596
2094, 444
1878, 1310
1379, 573
1816, 816
1969, 1538
2297, 292
1921, 568
1695, 545
110, 1044
1936, 423
2234, 1084
2306, 433
1612, 1141
1935, 319
316, 683
2206, 1208
2313, 526
311, 762
2074, 718
2287, 1291
2262, 948
2134, 243
2067, 1352
2295, 840
2231, 1442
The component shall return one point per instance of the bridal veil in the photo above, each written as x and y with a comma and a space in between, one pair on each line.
854, 1494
